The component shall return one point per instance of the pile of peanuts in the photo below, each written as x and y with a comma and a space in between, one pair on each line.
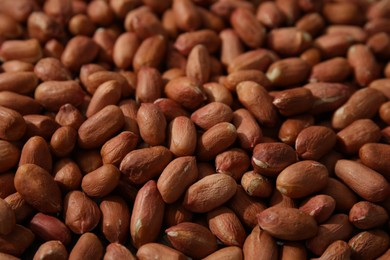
194, 129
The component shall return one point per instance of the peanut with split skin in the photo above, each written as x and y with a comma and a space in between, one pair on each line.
211, 129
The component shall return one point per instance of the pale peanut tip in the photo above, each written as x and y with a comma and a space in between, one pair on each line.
273, 74
172, 233
261, 164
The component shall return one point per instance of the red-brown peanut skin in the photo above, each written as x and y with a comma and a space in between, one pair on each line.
115, 219
7, 218
233, 162
101, 181
81, 213
339, 249
16, 242
36, 151
293, 251
302, 179
67, 174
147, 216
287, 223
367, 215
367, 183
314, 142
38, 188
212, 114
87, 247
49, 228
319, 206
229, 252
249, 133
345, 198
260, 244
369, 244
12, 126
209, 193
176, 177
63, 141
271, 158
115, 149
292, 126
182, 136
374, 155
53, 249
117, 251
149, 250
336, 228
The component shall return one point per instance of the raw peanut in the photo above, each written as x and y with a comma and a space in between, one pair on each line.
342, 13
53, 48
48, 228
336, 228
16, 242
7, 218
67, 174
150, 53
177, 176
60, 10
280, 200
363, 63
97, 129
256, 185
81, 24
101, 181
38, 188
225, 8
23, 50
81, 214
376, 26
357, 33
152, 124
229, 252
17, 66
93, 80
234, 78
270, 159
290, 9
23, 82
216, 92
313, 142
311, 23
344, 197
171, 109
20, 207
182, 136
108, 93
287, 223
383, 85
332, 70
79, 50
226, 226
293, 251
115, 149
369, 244
192, 239
293, 101
7, 184
288, 72
186, 41
334, 45
385, 255
249, 29
117, 251
9, 155
269, 14
124, 49
9, 27
175, 213
68, 115
364, 103
105, 39
100, 13
329, 160
209, 193
149, 85
172, 74
367, 183
233, 162
379, 44
251, 95
63, 141
319, 206
374, 156
185, 91
198, 64
149, 250
337, 250
291, 127
36, 151
143, 22
302, 179
249, 133
259, 59
88, 160
328, 96
20, 103
289, 41
51, 69
142, 165
211, 20
312, 56
40, 125
259, 244
186, 15
147, 215
51, 250
115, 219
354, 136
212, 114
231, 46
215, 140
384, 112
129, 109
367, 215
12, 126
168, 22
87, 247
